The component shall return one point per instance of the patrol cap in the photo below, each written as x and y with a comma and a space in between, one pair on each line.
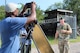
61, 18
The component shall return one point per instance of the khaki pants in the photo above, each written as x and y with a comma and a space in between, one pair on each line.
63, 46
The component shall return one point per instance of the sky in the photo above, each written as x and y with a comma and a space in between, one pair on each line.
44, 4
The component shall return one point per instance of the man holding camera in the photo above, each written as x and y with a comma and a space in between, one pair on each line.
11, 25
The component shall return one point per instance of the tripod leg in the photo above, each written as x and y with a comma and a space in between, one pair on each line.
28, 48
22, 48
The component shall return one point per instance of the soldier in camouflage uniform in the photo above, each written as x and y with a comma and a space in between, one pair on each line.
63, 33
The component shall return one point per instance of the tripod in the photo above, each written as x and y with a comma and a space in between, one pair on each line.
27, 48
26, 40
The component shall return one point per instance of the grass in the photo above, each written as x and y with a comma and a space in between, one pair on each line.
52, 41
75, 40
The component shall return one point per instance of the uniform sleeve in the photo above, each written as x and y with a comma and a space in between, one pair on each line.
17, 23
69, 28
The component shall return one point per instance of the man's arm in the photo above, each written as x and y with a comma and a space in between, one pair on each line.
69, 31
56, 34
32, 17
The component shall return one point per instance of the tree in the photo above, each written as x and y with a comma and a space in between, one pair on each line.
40, 14
2, 12
73, 5
55, 6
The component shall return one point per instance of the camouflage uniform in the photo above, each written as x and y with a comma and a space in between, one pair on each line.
63, 42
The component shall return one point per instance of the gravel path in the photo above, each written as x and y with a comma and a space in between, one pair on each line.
74, 48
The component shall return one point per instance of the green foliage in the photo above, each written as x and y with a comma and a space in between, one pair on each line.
58, 5
75, 40
40, 15
2, 12
73, 5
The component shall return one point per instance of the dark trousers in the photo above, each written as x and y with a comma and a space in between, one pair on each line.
26, 49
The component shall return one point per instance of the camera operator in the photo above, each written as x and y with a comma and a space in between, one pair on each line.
11, 25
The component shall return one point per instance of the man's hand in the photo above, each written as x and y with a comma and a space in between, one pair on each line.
56, 34
34, 5
34, 10
32, 17
64, 31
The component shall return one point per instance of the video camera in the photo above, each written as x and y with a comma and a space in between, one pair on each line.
29, 5
26, 10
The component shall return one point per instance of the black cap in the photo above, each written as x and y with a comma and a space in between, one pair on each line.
61, 18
